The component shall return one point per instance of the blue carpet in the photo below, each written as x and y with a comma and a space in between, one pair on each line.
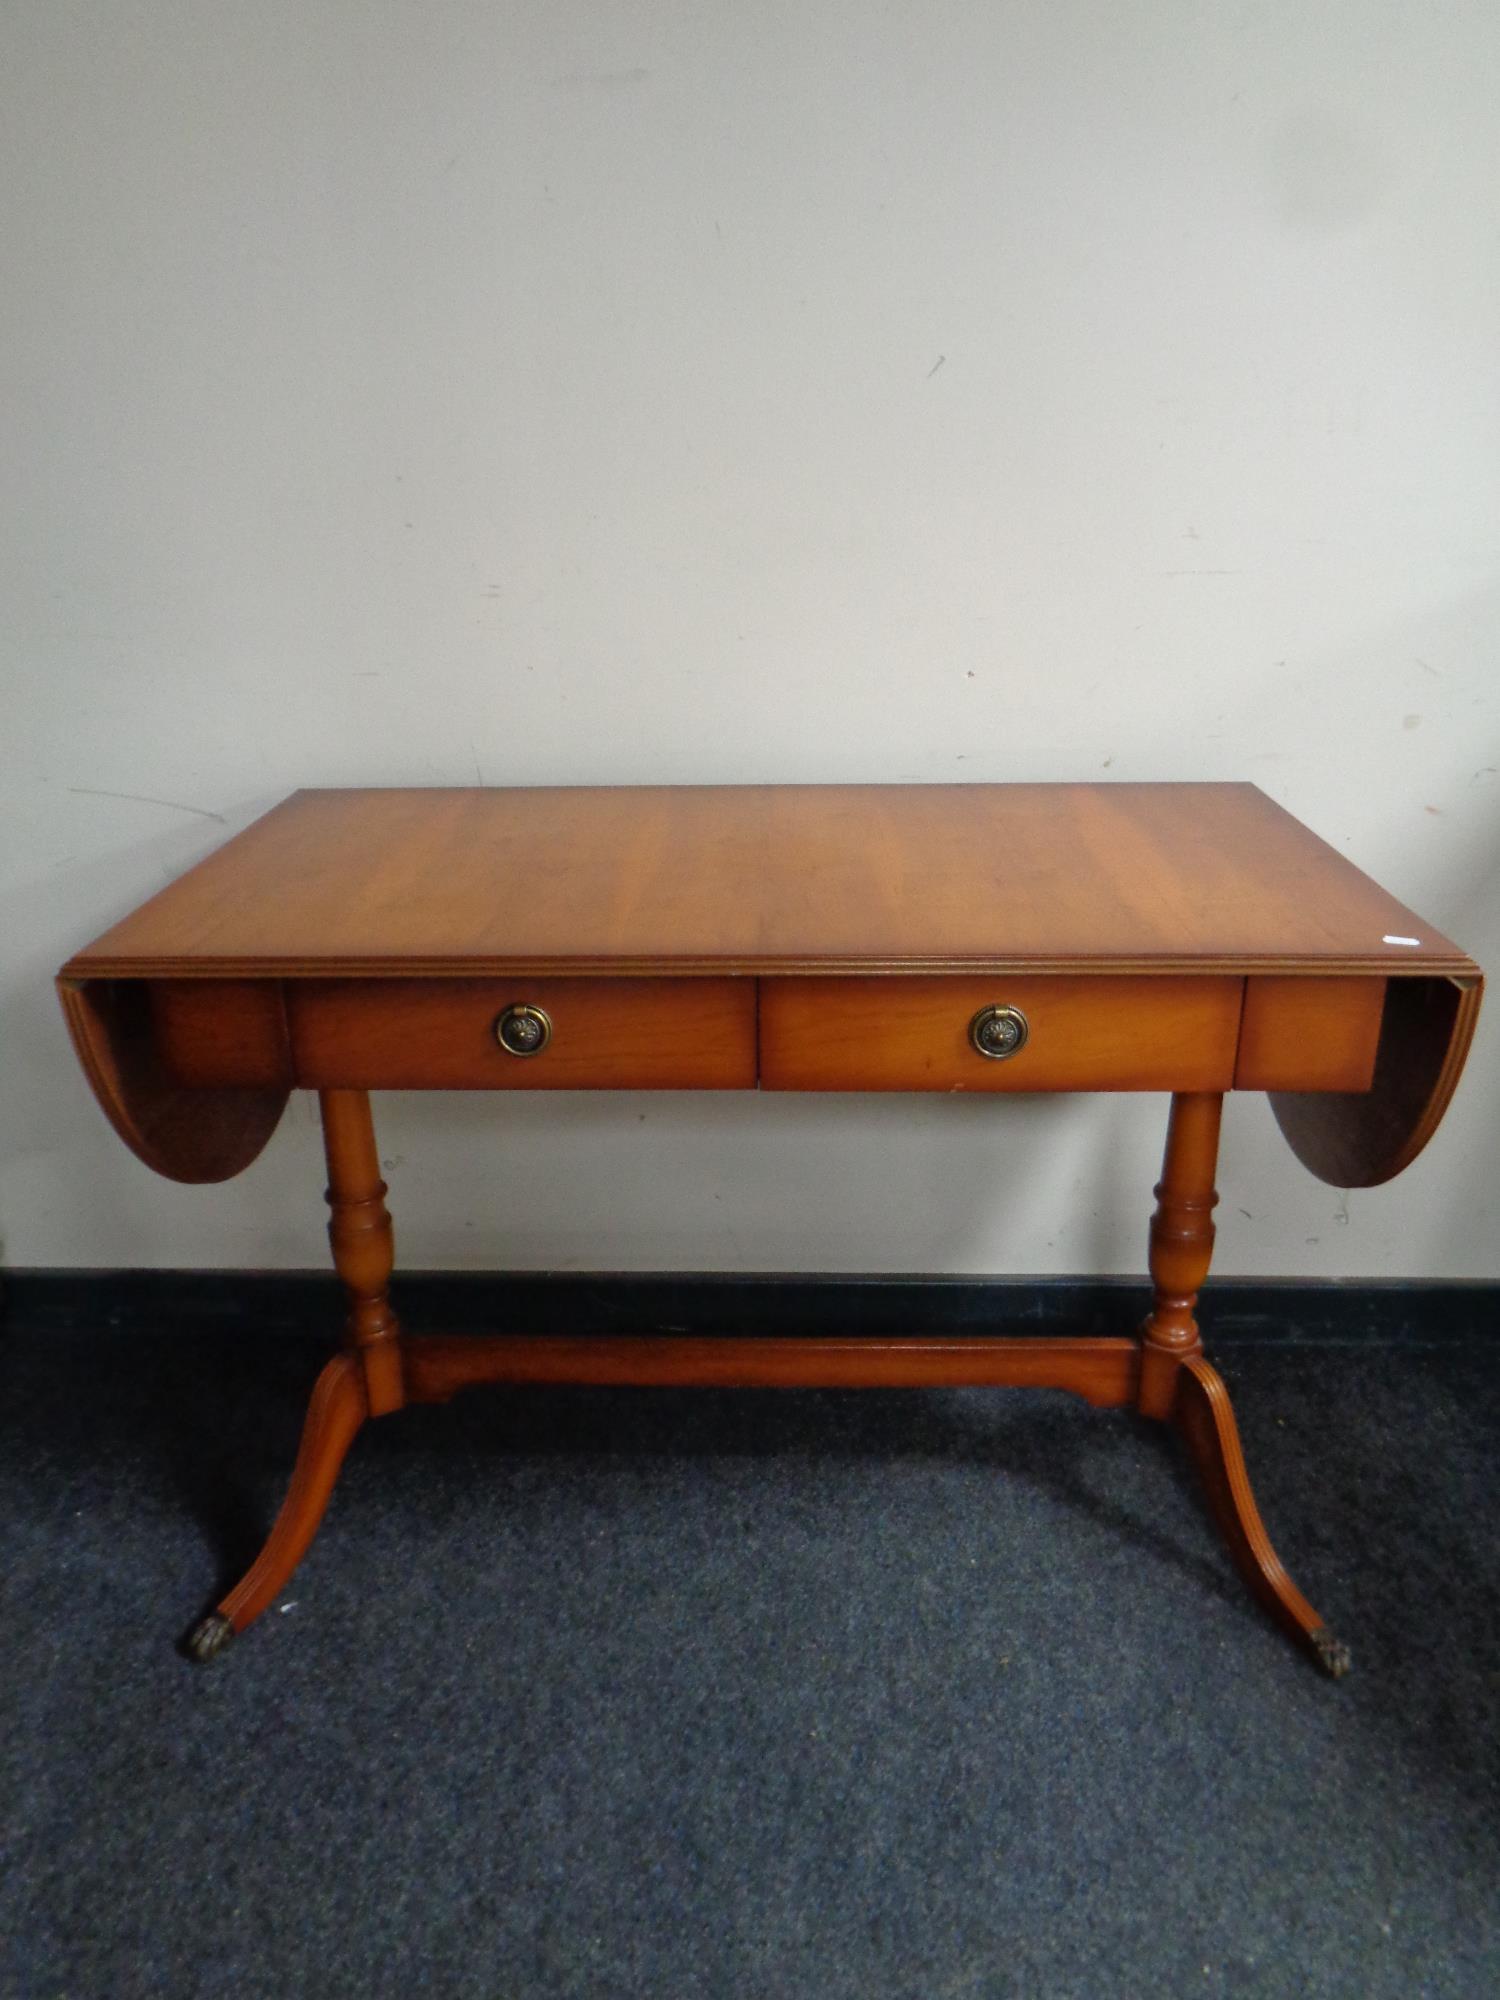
946, 1696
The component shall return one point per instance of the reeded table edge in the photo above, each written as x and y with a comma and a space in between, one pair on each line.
647, 966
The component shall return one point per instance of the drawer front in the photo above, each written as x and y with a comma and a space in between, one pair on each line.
1309, 1034
1080, 1033
601, 1034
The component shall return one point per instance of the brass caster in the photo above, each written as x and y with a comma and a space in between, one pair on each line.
209, 1637
1333, 1656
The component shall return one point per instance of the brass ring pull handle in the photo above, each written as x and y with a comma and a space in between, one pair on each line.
523, 1030
998, 1032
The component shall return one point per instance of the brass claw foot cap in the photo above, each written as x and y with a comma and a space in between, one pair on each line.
209, 1637
1333, 1655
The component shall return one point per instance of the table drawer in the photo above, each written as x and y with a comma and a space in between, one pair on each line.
599, 1034
1075, 1033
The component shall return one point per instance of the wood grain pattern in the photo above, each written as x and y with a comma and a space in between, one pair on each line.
222, 1031
1102, 1371
335, 1414
1181, 1244
363, 1242
1204, 1418
1309, 1034
182, 1133
1095, 1032
746, 879
1360, 1140
633, 1034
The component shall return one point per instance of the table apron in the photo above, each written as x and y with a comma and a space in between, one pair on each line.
891, 1032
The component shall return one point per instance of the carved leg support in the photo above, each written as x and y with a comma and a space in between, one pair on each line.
333, 1419
1177, 1384
1205, 1420
364, 1381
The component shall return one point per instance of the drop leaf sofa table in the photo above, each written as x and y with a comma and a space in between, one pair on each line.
1184, 938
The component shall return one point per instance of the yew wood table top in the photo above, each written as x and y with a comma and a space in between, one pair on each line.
775, 878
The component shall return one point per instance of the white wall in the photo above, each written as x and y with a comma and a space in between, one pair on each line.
984, 389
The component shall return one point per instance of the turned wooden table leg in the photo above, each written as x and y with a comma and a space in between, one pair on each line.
1182, 1243
364, 1381
1178, 1385
359, 1228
